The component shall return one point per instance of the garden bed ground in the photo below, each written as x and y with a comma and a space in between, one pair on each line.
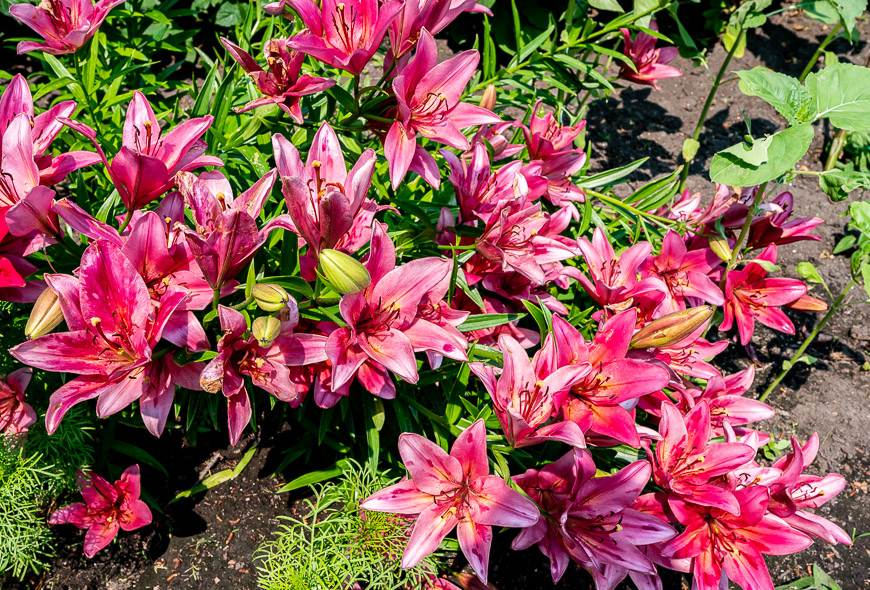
208, 543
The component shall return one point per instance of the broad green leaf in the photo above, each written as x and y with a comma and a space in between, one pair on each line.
785, 149
754, 154
860, 214
609, 5
831, 11
841, 93
837, 183
784, 93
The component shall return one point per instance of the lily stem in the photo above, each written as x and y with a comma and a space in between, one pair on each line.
744, 231
702, 118
820, 325
126, 222
822, 46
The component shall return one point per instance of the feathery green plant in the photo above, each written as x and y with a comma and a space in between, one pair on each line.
26, 484
335, 544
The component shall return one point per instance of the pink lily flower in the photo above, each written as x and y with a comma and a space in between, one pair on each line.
327, 203
751, 296
795, 491
687, 464
385, 322
725, 397
26, 144
226, 236
163, 260
240, 355
552, 488
597, 402
428, 95
13, 269
148, 161
615, 278
733, 546
113, 328
65, 25
479, 189
775, 227
600, 526
452, 491
524, 396
107, 508
281, 84
16, 415
521, 238
689, 357
685, 273
345, 34
650, 62
432, 15
554, 157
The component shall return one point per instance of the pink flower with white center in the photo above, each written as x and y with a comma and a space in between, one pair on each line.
650, 62
16, 415
524, 396
750, 296
107, 508
428, 95
685, 273
732, 547
281, 83
65, 25
450, 491
343, 34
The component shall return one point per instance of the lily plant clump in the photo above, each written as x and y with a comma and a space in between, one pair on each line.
399, 250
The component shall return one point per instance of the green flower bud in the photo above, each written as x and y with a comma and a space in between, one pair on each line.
270, 297
265, 329
45, 316
345, 273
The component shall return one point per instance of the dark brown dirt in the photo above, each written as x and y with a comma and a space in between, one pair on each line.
209, 542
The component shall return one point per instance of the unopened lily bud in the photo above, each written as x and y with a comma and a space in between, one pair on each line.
345, 273
720, 247
270, 297
265, 329
808, 303
45, 316
487, 101
672, 328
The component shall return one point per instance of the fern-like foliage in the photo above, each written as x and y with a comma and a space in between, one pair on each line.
26, 485
335, 545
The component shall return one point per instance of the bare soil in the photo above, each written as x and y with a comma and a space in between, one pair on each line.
208, 542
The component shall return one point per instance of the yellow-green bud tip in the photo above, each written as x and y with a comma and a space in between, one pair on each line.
345, 273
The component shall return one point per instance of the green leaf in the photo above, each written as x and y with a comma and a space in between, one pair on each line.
488, 320
784, 150
831, 11
841, 93
837, 183
784, 93
609, 5
754, 154
612, 176
216, 479
808, 272
139, 455
845, 244
314, 477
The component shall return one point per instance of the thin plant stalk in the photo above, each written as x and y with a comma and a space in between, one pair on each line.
744, 231
820, 325
822, 46
702, 118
